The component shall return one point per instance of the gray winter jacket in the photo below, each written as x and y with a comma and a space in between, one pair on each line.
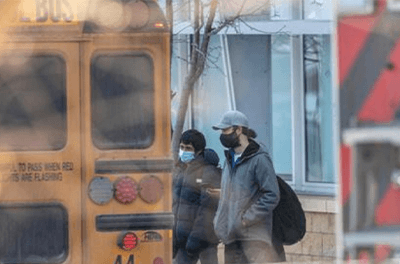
249, 194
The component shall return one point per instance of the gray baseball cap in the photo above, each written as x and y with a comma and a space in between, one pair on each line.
232, 118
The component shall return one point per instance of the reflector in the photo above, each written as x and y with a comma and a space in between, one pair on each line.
151, 189
100, 190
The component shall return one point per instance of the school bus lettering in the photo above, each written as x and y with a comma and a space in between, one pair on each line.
119, 260
53, 166
35, 177
67, 166
39, 171
23, 177
35, 167
55, 9
41, 10
130, 260
46, 166
48, 176
21, 167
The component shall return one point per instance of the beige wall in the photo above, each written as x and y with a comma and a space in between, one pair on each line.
319, 243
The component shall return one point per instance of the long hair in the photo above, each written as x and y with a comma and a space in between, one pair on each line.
250, 133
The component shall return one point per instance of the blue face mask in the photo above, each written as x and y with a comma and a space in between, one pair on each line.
186, 156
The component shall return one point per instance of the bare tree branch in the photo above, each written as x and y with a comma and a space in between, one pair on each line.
228, 22
200, 56
183, 29
262, 31
196, 35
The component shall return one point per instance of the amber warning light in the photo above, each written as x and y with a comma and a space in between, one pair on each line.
159, 25
128, 241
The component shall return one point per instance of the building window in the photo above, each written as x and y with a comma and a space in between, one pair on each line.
283, 82
318, 9
318, 110
281, 105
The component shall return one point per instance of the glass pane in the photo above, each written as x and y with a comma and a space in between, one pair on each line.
210, 103
177, 80
122, 101
318, 108
248, 10
281, 10
32, 103
318, 9
33, 234
356, 6
251, 80
281, 105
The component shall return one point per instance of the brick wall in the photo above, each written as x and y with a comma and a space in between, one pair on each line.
319, 243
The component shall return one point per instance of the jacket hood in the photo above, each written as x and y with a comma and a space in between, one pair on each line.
251, 150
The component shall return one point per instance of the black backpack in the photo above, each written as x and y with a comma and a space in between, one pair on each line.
289, 220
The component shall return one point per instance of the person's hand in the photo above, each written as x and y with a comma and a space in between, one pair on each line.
214, 192
194, 246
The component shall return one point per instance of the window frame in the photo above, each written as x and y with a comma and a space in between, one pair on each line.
299, 182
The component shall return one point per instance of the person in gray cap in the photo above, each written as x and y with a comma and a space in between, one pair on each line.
249, 194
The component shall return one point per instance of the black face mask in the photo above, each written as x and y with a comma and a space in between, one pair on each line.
230, 140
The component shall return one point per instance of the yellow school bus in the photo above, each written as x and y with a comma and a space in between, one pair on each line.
85, 162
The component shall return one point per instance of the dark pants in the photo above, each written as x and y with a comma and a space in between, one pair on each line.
248, 252
207, 256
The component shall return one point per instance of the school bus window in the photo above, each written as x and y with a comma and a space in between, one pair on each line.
122, 101
32, 102
33, 233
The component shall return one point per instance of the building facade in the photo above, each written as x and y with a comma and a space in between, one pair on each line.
276, 65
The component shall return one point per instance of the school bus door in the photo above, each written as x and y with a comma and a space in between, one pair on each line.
126, 124
40, 153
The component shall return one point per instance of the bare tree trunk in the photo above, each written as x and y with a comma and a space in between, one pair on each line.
183, 106
197, 63
170, 18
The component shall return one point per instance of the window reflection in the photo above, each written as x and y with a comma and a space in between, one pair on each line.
318, 108
32, 103
122, 101
318, 9
281, 105
281, 10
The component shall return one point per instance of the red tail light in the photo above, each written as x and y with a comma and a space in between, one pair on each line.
125, 190
128, 241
